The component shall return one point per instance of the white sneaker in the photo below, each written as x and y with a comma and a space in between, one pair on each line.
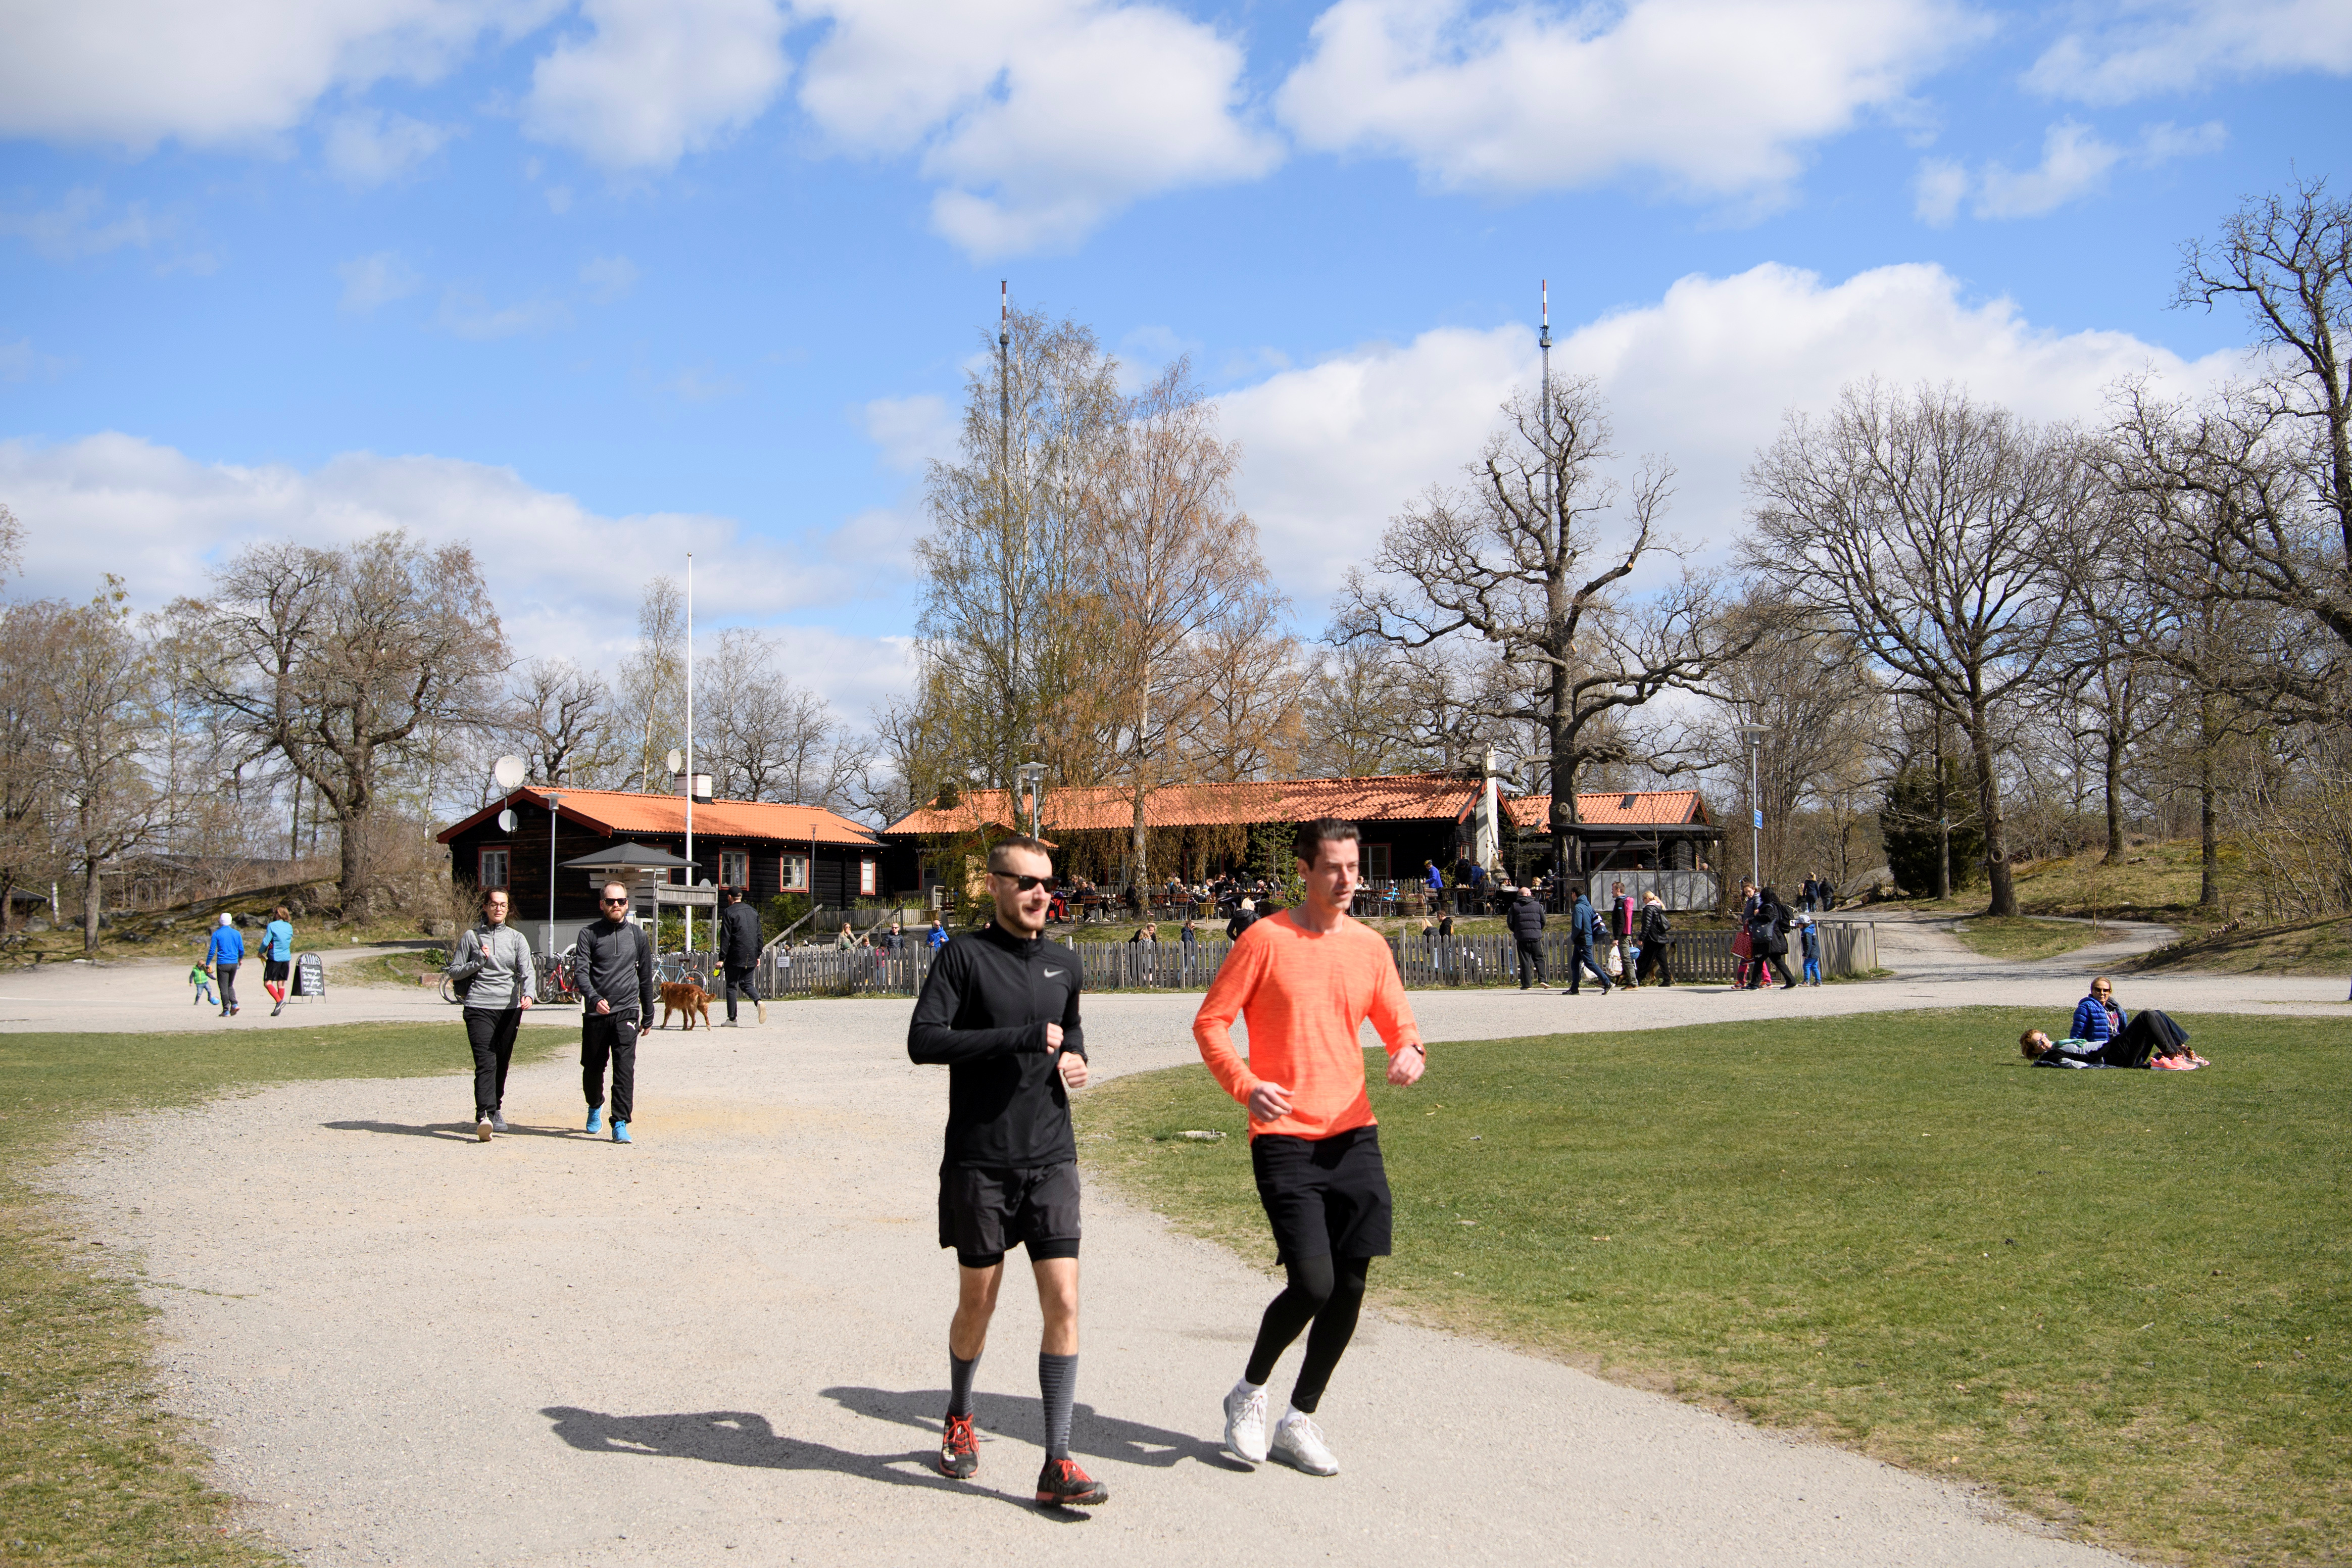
498, 1122
1298, 1443
1246, 1422
482, 1129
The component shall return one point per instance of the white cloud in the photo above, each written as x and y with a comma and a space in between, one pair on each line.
656, 80
134, 72
607, 278
369, 147
1720, 97
371, 281
911, 431
2150, 46
1331, 451
2076, 162
1040, 118
21, 361
81, 226
158, 518
465, 313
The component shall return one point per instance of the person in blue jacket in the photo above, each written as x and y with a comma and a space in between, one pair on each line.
2096, 1017
225, 952
1586, 925
277, 957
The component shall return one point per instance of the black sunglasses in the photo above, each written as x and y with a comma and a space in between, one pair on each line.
614, 903
1026, 884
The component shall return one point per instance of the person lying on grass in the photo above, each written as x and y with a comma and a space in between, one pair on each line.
2151, 1040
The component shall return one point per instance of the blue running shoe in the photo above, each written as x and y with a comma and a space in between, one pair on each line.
621, 1132
595, 1119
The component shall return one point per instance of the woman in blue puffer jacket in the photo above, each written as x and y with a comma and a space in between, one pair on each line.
2096, 1017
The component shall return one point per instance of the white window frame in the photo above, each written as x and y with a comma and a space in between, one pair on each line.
869, 878
735, 868
503, 858
792, 873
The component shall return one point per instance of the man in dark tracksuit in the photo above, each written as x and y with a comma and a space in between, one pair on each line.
617, 989
1587, 926
738, 951
1526, 919
1000, 1011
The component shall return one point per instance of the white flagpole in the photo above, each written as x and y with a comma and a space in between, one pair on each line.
689, 747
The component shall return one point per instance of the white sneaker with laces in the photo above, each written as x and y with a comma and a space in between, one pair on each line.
1246, 1422
498, 1122
1298, 1443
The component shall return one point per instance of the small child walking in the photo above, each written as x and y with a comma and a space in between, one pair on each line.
202, 981
1812, 949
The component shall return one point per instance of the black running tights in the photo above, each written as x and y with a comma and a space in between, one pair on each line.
1324, 1291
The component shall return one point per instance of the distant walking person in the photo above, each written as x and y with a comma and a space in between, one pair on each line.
1526, 919
1624, 922
1770, 936
1657, 939
617, 988
739, 952
1586, 927
938, 937
1305, 982
277, 957
221, 957
200, 978
1811, 937
494, 976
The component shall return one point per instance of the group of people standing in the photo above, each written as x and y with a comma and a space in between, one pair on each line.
1000, 1010
1641, 929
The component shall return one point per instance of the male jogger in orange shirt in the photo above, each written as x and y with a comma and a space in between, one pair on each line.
1305, 981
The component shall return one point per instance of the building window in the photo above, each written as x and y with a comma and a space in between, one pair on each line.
793, 874
1376, 862
734, 868
869, 878
493, 868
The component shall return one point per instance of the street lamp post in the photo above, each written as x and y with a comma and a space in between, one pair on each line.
1754, 735
554, 798
1033, 785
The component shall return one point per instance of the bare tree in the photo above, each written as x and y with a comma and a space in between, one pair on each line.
1515, 559
338, 660
32, 639
104, 694
1173, 581
650, 696
2277, 448
1814, 693
12, 542
1939, 533
559, 719
767, 737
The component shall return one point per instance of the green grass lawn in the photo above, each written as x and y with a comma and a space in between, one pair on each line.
2026, 938
2121, 1300
92, 1470
2304, 947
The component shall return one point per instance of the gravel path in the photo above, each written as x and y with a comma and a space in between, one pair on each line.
726, 1343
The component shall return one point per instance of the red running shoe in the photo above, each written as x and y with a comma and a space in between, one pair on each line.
959, 1449
1061, 1481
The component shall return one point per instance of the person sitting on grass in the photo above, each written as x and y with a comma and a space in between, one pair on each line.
2151, 1040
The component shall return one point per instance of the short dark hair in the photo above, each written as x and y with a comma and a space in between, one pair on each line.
1019, 841
734, 895
1312, 835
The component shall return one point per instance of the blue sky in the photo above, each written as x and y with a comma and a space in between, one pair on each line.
594, 284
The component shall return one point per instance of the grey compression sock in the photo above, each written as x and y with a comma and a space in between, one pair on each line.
959, 1384
1058, 1380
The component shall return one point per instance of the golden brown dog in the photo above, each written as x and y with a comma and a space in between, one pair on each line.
686, 998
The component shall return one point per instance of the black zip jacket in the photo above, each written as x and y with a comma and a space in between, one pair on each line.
982, 1015
615, 965
739, 936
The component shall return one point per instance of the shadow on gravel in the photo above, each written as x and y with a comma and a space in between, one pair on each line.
1092, 1433
741, 1438
461, 1131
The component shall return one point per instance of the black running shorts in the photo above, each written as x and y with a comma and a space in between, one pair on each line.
1325, 1196
985, 1211
275, 969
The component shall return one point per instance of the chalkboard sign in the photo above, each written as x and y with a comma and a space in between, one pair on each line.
309, 975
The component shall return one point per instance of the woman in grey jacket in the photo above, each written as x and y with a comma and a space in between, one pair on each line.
496, 976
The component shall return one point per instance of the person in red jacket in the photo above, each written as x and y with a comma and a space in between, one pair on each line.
1305, 981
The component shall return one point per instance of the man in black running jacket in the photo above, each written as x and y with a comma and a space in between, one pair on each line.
1000, 1011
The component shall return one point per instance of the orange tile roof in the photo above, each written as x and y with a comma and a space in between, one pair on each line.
1393, 797
617, 811
1651, 808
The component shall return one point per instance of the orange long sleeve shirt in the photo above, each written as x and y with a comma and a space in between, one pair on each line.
1303, 996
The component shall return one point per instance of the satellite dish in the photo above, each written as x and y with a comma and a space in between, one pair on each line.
506, 820
508, 770
677, 759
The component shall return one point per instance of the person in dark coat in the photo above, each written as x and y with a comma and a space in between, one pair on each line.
738, 954
1526, 919
1587, 927
1768, 935
1657, 937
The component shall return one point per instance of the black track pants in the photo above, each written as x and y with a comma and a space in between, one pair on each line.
491, 1033
1325, 1293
